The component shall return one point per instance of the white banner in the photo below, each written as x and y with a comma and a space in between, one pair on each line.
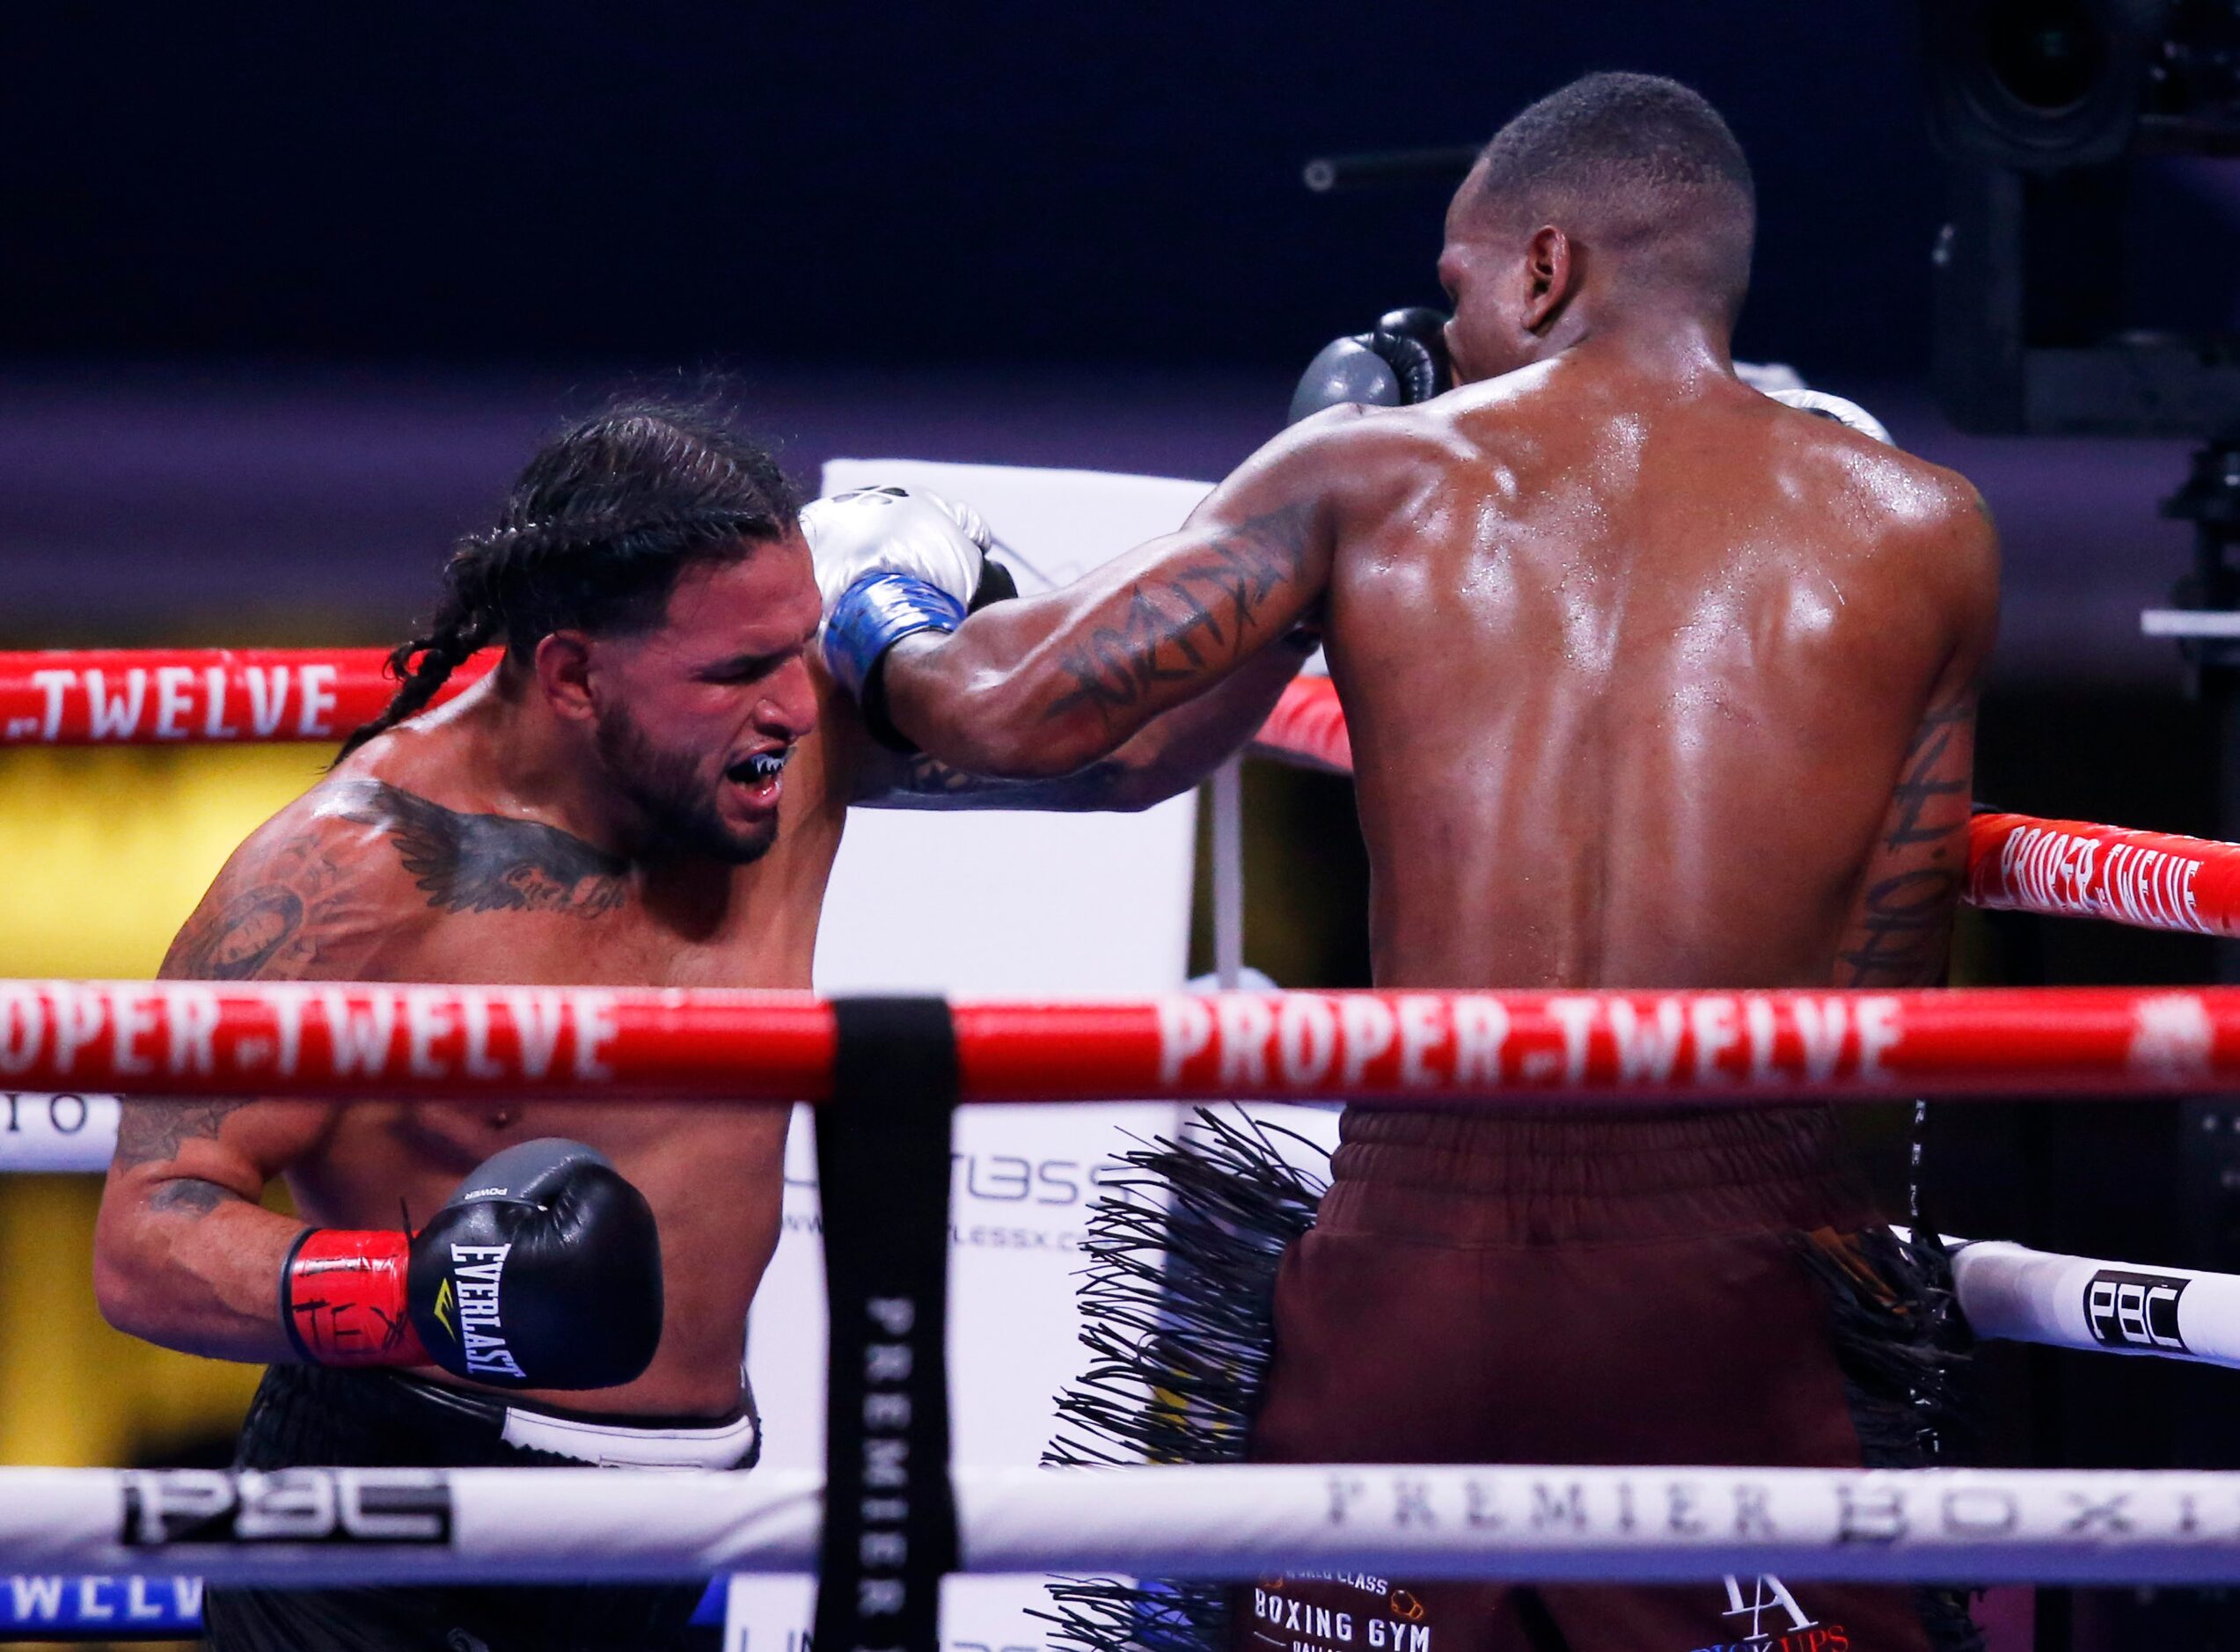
62, 1131
1038, 905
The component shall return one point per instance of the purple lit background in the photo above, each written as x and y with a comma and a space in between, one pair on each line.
215, 506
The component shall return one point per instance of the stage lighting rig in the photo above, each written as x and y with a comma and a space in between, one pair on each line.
2042, 108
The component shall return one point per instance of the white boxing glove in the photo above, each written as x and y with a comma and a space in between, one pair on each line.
895, 529
1828, 407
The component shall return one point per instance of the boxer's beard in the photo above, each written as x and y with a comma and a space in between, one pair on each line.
668, 790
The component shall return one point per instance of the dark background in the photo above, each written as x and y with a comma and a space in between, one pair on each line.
287, 294
820, 184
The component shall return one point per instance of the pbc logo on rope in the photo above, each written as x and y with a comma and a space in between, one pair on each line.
2129, 1310
288, 1505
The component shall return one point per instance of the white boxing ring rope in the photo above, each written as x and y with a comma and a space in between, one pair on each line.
2011, 1293
1637, 1524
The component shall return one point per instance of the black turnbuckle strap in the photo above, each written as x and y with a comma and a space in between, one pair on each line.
882, 1168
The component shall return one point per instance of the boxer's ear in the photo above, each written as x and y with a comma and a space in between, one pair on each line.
1550, 275
563, 666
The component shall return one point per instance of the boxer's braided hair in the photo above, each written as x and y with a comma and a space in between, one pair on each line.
593, 536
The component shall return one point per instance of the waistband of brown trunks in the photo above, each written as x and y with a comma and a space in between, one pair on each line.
1590, 1170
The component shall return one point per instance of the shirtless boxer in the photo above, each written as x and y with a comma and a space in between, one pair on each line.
1652, 682
642, 794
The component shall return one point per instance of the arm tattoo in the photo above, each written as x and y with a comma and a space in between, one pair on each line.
189, 1197
489, 863
1179, 624
268, 929
926, 782
1897, 937
151, 1132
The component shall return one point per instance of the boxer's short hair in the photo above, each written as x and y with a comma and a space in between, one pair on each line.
1642, 162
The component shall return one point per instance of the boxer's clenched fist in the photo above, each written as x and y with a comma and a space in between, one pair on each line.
891, 562
1398, 363
543, 1270
898, 531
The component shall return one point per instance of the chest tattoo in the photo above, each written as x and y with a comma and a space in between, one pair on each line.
487, 863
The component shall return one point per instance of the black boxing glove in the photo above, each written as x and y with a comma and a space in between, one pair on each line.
543, 1270
1400, 362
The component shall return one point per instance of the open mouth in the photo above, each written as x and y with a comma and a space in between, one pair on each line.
759, 774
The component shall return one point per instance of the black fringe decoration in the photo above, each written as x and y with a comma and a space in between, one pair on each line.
1900, 1342
1178, 1315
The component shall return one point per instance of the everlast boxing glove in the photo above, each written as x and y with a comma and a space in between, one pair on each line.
1396, 364
542, 1271
891, 562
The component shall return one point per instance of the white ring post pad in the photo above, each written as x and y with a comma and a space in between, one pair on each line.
2015, 1294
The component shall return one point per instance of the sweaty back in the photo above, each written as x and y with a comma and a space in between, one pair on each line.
1633, 670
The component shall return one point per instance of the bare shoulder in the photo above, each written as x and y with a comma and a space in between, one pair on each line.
304, 896
1902, 492
1363, 463
1934, 515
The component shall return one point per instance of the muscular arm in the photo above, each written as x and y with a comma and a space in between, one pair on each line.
1046, 685
1901, 926
1169, 755
184, 1255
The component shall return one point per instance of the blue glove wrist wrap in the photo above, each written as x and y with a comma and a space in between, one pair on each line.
874, 614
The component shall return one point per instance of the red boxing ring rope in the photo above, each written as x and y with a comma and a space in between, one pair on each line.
205, 696
359, 1039
149, 697
2074, 869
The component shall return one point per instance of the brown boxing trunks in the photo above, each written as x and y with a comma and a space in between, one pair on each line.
1592, 1286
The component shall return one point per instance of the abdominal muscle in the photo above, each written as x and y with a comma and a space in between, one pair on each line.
712, 1171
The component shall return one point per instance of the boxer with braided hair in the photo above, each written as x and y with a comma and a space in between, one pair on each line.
648, 790
592, 527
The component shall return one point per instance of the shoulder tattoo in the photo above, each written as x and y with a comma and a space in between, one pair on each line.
268, 928
151, 1131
